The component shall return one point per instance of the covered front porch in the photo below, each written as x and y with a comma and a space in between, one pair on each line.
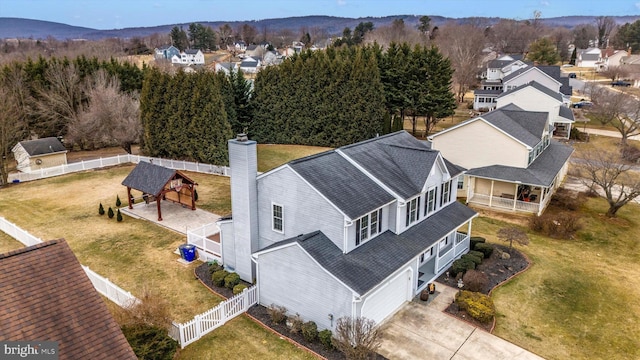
437, 259
504, 195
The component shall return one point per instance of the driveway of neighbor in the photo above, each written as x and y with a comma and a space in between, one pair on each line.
420, 331
174, 216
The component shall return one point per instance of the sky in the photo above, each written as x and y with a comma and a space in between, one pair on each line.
115, 14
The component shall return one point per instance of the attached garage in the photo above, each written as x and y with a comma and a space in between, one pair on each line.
388, 298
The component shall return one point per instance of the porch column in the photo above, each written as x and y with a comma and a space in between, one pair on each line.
515, 197
468, 188
491, 193
158, 205
542, 191
469, 228
129, 197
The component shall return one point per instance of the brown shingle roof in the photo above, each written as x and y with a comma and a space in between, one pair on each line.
46, 295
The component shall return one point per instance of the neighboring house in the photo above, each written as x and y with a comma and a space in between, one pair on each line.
535, 97
189, 57
240, 46
226, 67
37, 154
499, 68
166, 52
485, 98
256, 50
588, 57
513, 163
271, 58
251, 64
355, 231
610, 58
46, 296
631, 64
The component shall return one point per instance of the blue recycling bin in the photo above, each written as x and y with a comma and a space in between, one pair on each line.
188, 252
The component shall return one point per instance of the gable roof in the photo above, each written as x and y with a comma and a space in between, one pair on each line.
348, 188
371, 263
191, 51
55, 301
540, 172
541, 88
525, 126
566, 113
150, 178
44, 146
523, 70
398, 160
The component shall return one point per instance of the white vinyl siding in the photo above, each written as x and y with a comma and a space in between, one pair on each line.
277, 223
430, 202
368, 226
413, 213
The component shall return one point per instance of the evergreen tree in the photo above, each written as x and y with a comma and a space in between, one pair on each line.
544, 52
572, 61
101, 209
119, 216
118, 202
179, 38
110, 213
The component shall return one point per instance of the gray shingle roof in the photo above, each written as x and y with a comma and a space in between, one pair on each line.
526, 126
367, 266
398, 160
149, 178
566, 113
499, 64
543, 89
487, 92
453, 169
42, 146
191, 51
342, 183
540, 173
515, 73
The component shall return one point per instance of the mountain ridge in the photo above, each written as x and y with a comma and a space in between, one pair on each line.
41, 29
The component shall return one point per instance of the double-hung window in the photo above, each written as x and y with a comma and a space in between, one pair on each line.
368, 226
430, 203
413, 214
277, 221
444, 194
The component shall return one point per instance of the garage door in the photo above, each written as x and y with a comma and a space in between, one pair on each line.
387, 300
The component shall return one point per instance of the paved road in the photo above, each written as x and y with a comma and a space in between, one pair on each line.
609, 133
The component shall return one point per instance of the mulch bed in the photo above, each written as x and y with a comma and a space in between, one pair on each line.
498, 270
259, 312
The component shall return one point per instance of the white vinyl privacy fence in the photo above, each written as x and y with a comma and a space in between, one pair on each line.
208, 249
204, 323
117, 160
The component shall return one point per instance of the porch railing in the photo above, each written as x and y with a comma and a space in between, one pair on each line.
207, 249
504, 203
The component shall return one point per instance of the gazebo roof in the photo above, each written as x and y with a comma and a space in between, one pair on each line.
150, 178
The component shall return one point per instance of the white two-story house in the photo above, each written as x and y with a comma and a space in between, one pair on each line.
355, 231
189, 57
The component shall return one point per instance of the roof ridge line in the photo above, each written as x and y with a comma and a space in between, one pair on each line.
28, 249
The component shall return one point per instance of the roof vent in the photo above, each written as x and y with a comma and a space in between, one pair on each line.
242, 137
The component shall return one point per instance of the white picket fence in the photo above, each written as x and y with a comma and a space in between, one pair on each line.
204, 323
116, 160
208, 249
105, 287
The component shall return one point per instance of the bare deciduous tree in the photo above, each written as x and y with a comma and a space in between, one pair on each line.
463, 45
11, 126
604, 170
111, 116
357, 338
615, 72
605, 25
512, 234
512, 37
616, 108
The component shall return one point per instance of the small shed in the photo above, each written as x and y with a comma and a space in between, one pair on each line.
36, 154
160, 183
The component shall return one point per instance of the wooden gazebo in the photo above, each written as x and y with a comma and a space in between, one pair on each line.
160, 183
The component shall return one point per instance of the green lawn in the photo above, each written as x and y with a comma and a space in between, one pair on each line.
578, 300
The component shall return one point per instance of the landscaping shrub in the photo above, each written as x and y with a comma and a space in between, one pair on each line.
101, 209
218, 277
150, 342
475, 280
214, 266
476, 253
239, 288
118, 202
567, 199
231, 280
110, 213
486, 249
295, 323
277, 313
475, 240
576, 134
461, 265
326, 339
119, 216
478, 306
475, 259
562, 225
357, 338
309, 331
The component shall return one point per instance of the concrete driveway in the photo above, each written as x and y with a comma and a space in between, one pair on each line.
420, 331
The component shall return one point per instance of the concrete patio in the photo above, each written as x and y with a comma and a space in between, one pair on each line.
175, 216
423, 331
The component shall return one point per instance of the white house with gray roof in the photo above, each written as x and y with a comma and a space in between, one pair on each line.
355, 231
533, 96
513, 163
588, 57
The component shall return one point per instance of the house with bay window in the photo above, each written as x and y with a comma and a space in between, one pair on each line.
355, 231
513, 164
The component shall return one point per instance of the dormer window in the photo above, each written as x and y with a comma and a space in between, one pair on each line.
430, 203
445, 193
368, 226
412, 211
